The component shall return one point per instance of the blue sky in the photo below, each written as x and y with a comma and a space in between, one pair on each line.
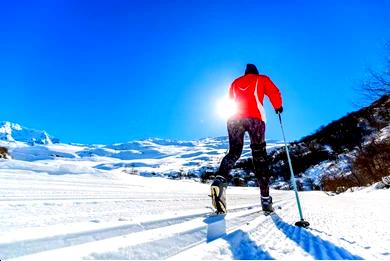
114, 71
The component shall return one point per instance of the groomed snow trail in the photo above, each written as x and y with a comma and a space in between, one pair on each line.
119, 216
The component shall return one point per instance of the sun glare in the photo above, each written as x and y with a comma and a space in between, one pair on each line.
226, 107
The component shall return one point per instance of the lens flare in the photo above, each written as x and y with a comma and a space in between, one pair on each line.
226, 108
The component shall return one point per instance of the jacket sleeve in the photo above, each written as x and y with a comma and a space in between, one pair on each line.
231, 92
273, 93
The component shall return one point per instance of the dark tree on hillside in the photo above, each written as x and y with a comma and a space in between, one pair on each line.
373, 162
379, 82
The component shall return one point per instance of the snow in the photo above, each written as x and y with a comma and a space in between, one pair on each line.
111, 215
149, 157
78, 201
329, 168
162, 158
14, 132
383, 134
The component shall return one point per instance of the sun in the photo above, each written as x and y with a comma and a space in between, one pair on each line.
226, 107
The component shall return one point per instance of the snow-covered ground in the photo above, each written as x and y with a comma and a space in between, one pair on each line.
112, 215
74, 201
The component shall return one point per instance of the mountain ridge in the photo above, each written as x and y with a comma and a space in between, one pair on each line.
10, 131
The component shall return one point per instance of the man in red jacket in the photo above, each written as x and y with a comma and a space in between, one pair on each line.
248, 93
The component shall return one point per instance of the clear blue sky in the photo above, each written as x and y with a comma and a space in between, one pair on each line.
114, 71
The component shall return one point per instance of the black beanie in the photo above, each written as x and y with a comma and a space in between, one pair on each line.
251, 69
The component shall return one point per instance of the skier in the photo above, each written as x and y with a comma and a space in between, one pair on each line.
248, 93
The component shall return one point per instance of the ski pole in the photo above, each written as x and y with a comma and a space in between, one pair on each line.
302, 222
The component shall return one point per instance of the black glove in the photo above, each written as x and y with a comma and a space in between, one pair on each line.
279, 110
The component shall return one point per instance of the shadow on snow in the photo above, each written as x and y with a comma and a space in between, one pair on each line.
243, 247
314, 245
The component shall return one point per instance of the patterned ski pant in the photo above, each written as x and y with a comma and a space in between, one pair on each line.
256, 130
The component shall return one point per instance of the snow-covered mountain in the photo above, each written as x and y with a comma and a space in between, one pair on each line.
14, 132
334, 150
36, 150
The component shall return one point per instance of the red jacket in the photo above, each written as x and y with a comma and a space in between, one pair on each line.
248, 93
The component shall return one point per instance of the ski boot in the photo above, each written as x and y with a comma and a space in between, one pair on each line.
266, 205
218, 194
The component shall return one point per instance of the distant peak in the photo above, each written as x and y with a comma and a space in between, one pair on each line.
15, 132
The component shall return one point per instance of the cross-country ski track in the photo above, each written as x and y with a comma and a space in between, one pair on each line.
153, 218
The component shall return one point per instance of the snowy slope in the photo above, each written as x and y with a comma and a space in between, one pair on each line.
149, 157
343, 162
116, 216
